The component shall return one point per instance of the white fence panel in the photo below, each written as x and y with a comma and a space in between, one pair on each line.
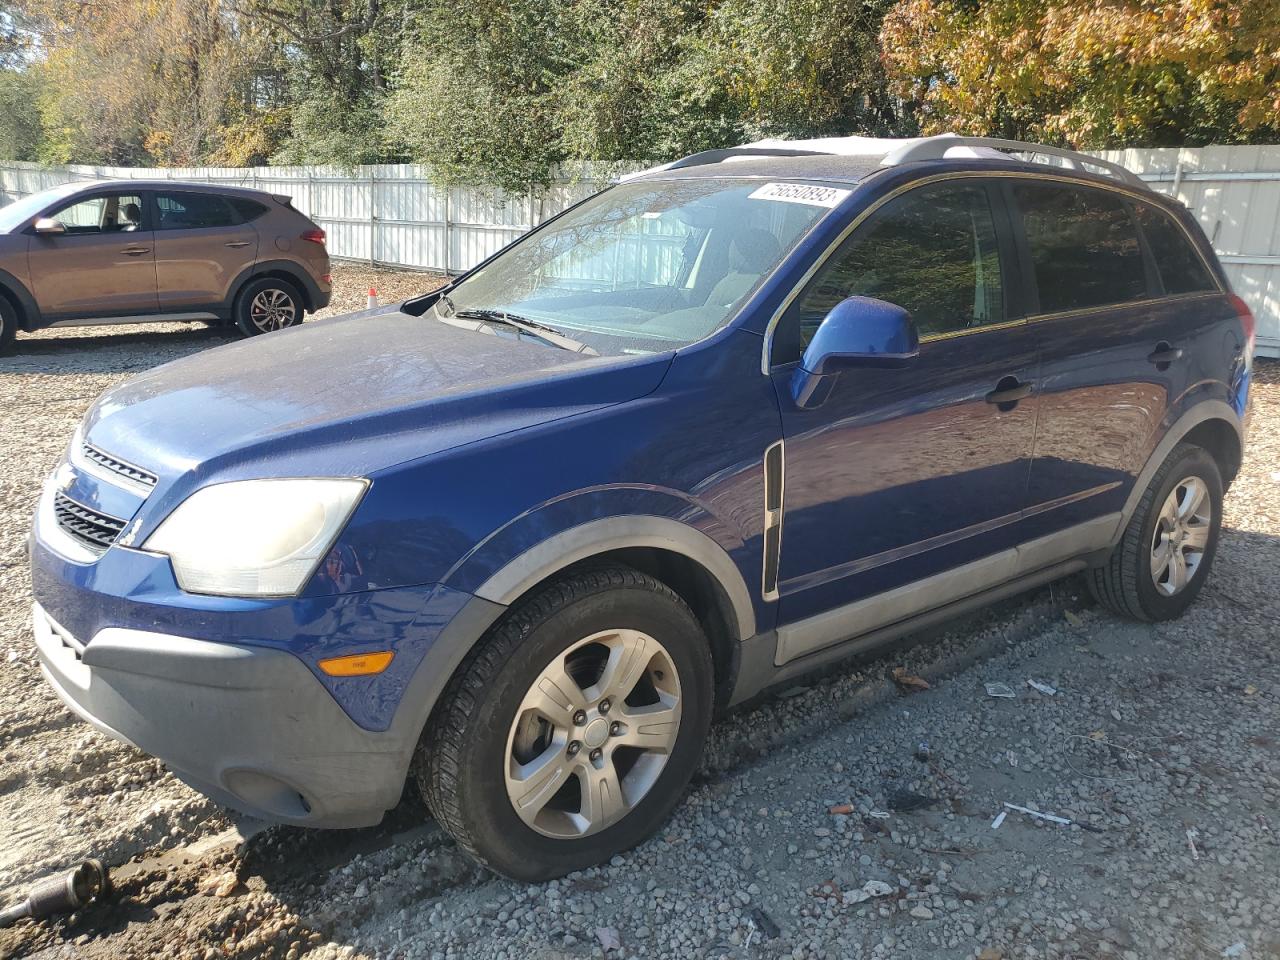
394, 214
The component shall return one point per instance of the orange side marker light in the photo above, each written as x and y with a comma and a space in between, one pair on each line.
357, 664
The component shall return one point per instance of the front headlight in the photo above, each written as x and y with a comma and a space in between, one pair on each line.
254, 538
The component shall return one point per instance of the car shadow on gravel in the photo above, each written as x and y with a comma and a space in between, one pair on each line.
106, 353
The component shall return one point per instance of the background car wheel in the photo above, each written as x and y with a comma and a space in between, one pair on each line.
8, 326
268, 304
570, 732
1163, 559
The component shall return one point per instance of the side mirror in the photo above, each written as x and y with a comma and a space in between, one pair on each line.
49, 227
861, 332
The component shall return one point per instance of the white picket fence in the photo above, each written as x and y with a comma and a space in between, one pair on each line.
395, 215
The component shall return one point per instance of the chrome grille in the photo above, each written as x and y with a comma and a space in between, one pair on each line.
95, 530
118, 467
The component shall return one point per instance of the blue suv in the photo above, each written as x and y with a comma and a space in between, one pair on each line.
726, 422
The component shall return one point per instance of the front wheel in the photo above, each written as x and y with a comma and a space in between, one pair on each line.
570, 732
267, 304
1162, 561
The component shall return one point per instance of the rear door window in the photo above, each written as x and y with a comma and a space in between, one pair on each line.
1084, 247
1182, 269
187, 211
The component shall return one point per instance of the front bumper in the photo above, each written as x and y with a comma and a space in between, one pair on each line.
250, 727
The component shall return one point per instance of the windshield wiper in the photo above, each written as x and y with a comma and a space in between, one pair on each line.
540, 330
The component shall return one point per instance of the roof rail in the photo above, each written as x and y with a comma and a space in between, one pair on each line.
935, 148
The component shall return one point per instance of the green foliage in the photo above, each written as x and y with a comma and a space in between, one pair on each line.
20, 130
500, 92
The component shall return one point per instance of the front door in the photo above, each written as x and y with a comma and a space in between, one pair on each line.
103, 265
202, 245
900, 474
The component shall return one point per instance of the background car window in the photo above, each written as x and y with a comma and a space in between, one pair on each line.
1084, 247
102, 214
1181, 268
187, 211
932, 251
248, 209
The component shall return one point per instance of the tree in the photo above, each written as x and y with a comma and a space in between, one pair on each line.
521, 85
1091, 73
134, 81
19, 118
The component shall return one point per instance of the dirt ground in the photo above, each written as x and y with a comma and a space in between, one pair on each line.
842, 817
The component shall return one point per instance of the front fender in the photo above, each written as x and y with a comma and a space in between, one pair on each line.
596, 537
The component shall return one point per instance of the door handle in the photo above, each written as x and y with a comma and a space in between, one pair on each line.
1165, 353
1009, 391
135, 251
236, 243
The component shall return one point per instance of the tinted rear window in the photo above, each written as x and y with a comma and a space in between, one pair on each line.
248, 209
1084, 247
185, 211
1181, 268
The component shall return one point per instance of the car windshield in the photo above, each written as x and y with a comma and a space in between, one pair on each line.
646, 266
20, 211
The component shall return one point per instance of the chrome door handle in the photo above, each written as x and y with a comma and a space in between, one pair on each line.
135, 251
236, 243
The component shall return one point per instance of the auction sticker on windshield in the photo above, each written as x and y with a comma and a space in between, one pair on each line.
809, 194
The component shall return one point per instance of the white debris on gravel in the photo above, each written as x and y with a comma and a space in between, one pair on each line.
1168, 729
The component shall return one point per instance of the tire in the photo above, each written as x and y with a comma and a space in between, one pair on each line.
484, 725
1125, 584
267, 304
8, 326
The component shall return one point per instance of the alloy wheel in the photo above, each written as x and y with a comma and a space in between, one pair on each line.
593, 734
272, 309
1181, 536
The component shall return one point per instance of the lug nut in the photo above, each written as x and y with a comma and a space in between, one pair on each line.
580, 717
596, 754
574, 747
604, 706
615, 729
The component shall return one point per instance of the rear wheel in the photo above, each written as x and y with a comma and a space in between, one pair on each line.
1163, 559
268, 304
8, 326
571, 731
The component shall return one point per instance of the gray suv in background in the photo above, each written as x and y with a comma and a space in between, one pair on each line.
141, 250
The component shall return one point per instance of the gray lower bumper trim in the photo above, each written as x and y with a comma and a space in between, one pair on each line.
251, 727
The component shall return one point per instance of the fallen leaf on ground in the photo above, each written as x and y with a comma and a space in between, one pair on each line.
908, 681
221, 886
841, 809
1073, 619
1250, 690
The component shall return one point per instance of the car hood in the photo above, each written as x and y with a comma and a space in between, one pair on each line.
350, 396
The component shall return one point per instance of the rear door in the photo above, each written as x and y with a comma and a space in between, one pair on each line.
202, 244
1115, 344
903, 473
102, 266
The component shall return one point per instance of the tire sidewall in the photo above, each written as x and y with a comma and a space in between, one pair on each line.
254, 287
521, 851
1193, 462
8, 325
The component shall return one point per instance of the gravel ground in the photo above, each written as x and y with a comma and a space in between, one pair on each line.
1161, 745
